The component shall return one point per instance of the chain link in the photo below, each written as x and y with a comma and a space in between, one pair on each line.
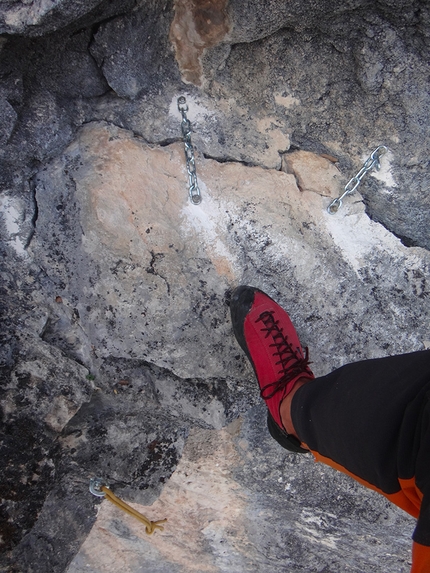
193, 185
372, 162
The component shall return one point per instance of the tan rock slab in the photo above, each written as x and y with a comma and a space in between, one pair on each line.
313, 173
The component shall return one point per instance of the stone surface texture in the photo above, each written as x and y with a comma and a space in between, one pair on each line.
117, 356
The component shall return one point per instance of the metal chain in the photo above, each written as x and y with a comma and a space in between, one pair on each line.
372, 162
193, 185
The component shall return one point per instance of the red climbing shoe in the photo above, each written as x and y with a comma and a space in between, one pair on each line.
266, 334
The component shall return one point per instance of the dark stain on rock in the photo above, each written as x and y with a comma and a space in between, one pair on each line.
197, 26
211, 20
26, 478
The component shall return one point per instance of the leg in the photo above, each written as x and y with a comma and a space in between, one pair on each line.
370, 419
364, 417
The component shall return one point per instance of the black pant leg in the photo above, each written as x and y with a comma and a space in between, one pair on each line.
366, 417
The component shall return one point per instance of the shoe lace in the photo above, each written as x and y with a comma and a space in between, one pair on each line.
291, 360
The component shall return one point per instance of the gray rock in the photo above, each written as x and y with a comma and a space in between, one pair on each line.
41, 392
134, 53
38, 17
352, 95
8, 119
247, 505
143, 278
108, 271
340, 80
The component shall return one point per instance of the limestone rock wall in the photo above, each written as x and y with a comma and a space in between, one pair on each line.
117, 356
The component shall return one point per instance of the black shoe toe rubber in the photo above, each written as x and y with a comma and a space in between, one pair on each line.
241, 302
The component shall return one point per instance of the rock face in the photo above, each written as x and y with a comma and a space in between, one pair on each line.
129, 251
117, 356
219, 507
